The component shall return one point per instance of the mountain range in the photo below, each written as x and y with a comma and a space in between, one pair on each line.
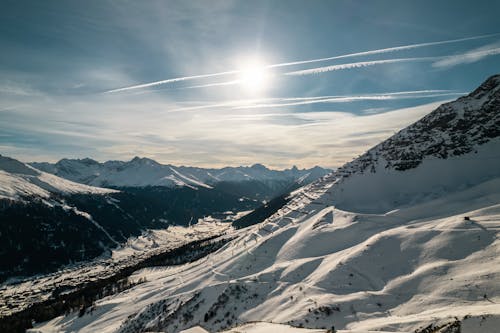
141, 172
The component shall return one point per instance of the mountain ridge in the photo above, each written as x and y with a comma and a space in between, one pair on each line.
408, 163
142, 171
457, 118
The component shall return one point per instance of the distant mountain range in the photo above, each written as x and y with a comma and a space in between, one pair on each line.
141, 172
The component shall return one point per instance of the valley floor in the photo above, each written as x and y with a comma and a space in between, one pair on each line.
17, 296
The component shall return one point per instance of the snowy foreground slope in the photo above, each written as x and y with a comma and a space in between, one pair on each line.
404, 237
395, 272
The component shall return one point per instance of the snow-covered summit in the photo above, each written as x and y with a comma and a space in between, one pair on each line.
18, 180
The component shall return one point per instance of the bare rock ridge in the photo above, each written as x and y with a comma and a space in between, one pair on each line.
455, 146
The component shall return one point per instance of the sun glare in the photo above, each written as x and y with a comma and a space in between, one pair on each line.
254, 76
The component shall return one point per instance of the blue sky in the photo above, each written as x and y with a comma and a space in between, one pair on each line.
83, 78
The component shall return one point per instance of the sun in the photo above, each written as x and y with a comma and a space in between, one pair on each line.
254, 76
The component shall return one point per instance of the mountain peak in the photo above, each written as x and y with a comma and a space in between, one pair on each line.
88, 161
492, 84
258, 166
455, 145
11, 165
143, 161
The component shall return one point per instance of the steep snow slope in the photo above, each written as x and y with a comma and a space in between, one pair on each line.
20, 180
383, 189
147, 172
423, 251
455, 146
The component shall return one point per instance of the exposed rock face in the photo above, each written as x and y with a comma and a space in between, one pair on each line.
453, 129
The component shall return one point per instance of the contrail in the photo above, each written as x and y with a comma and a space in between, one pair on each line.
371, 52
359, 65
441, 61
177, 79
227, 83
386, 50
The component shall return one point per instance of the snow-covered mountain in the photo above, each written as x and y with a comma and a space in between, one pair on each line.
453, 147
48, 221
402, 239
140, 172
18, 180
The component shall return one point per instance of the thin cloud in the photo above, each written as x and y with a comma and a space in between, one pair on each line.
291, 101
469, 57
349, 99
364, 53
360, 64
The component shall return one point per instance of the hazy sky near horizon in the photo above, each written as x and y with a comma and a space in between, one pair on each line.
216, 83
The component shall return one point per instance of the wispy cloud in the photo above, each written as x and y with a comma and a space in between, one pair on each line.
301, 62
116, 130
348, 99
293, 101
469, 57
